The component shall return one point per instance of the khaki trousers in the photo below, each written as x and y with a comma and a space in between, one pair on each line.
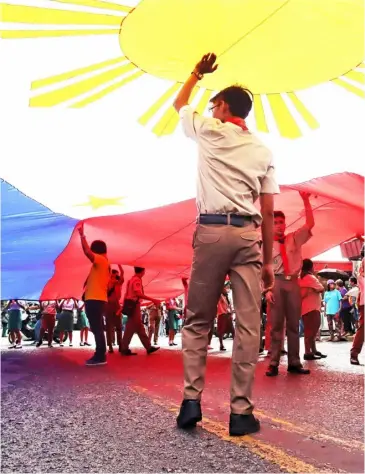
154, 329
287, 308
220, 250
135, 326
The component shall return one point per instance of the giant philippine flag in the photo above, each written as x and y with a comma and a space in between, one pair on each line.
88, 131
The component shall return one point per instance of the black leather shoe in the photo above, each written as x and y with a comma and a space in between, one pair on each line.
322, 356
311, 357
272, 371
240, 425
298, 369
152, 349
190, 414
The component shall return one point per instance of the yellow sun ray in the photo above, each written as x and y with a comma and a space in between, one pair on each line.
50, 16
259, 114
146, 117
48, 81
24, 34
107, 90
349, 87
49, 99
357, 76
303, 111
98, 4
170, 119
203, 102
285, 122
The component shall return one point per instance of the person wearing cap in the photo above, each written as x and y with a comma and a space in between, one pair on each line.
234, 171
285, 302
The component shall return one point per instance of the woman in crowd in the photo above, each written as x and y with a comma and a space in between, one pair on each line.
83, 324
66, 319
332, 300
311, 290
173, 316
15, 323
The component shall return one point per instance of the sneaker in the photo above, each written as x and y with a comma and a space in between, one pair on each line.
152, 349
61, 344
70, 345
18, 346
81, 344
87, 344
94, 362
12, 346
222, 349
353, 361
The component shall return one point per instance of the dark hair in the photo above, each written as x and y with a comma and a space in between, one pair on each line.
353, 280
115, 272
238, 98
329, 287
139, 269
339, 282
279, 214
98, 246
307, 267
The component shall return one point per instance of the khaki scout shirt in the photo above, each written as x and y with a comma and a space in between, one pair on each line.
293, 245
234, 167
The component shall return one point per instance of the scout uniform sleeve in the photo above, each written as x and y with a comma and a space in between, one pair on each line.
269, 184
302, 235
192, 122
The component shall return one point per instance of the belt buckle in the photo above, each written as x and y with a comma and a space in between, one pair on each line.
288, 277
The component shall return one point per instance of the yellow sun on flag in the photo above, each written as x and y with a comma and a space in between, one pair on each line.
274, 47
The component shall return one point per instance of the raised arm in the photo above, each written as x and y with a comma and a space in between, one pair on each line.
205, 66
85, 246
309, 217
121, 272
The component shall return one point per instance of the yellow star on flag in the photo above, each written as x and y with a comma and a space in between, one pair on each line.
96, 202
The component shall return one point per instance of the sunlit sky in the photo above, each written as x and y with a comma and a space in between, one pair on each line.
60, 156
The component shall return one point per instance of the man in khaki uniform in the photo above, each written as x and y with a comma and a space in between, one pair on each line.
154, 323
284, 302
234, 170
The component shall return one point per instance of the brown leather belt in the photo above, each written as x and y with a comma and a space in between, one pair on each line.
281, 276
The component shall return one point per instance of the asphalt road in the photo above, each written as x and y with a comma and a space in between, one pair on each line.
60, 416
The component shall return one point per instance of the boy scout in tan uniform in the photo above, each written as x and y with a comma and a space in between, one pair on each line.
234, 170
284, 302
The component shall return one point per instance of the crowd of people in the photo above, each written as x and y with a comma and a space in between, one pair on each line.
235, 170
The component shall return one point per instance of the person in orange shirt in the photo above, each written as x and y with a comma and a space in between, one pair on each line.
96, 293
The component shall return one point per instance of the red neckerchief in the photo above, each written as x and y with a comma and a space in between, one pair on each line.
283, 254
238, 121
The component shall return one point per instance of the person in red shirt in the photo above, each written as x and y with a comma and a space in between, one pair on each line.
113, 315
133, 296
